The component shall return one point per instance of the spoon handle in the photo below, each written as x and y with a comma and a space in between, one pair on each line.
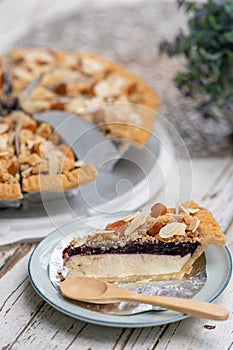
187, 306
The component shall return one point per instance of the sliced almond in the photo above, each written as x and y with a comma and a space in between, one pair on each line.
184, 206
5, 153
183, 209
90, 66
176, 216
53, 158
193, 211
118, 226
26, 172
3, 142
130, 217
3, 127
79, 163
111, 86
139, 220
173, 229
194, 223
77, 242
104, 231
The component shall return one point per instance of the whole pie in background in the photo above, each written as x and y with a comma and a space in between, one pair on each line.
102, 92
32, 157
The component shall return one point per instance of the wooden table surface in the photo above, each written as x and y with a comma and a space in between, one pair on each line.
28, 322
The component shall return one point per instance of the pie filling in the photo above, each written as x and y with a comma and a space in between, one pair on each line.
134, 259
125, 265
159, 248
158, 243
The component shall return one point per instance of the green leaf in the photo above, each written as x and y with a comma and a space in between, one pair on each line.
190, 6
216, 70
228, 7
214, 24
229, 36
211, 56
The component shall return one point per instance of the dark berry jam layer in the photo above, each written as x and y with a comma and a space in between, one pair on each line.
159, 248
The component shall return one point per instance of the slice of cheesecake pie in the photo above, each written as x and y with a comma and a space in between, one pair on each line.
158, 244
46, 162
9, 165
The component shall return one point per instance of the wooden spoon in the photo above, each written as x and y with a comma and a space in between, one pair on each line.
97, 291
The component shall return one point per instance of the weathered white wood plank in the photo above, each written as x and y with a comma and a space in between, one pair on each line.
19, 303
198, 179
38, 325
6, 252
141, 338
219, 197
49, 329
98, 337
10, 257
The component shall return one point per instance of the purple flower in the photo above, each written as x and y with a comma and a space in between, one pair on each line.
164, 46
228, 107
206, 111
179, 37
198, 15
161, 46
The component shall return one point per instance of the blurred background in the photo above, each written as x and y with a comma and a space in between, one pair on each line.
129, 33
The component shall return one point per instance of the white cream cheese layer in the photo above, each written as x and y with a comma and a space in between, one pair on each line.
122, 265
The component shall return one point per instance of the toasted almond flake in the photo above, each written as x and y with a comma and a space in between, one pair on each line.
111, 86
31, 143
48, 148
79, 241
27, 171
79, 163
176, 216
3, 127
90, 66
4, 154
194, 224
130, 217
3, 142
139, 220
104, 231
53, 158
193, 211
172, 229
184, 209
184, 206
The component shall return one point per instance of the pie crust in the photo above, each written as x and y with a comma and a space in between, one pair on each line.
34, 158
46, 162
9, 167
